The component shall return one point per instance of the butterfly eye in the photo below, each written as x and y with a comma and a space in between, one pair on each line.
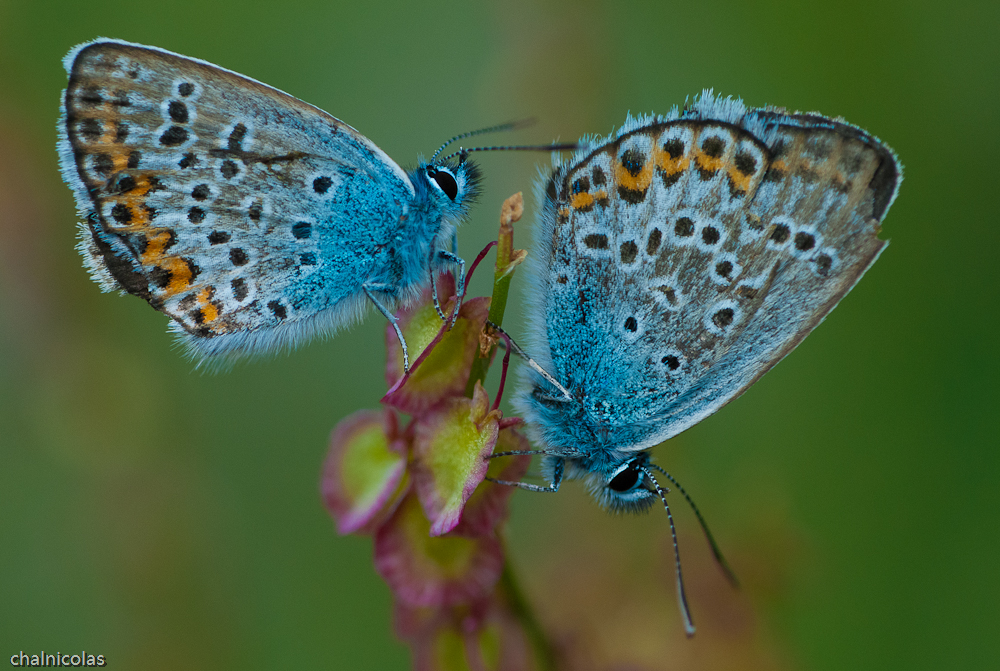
445, 181
626, 480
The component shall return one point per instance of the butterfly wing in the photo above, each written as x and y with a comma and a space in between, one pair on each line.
683, 259
222, 201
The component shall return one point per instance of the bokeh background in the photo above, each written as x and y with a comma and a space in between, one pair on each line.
171, 519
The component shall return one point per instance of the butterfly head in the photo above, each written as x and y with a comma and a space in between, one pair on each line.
624, 486
451, 186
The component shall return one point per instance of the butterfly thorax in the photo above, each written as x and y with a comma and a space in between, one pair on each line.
596, 434
442, 197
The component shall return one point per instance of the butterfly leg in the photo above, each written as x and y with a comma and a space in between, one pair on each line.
531, 362
441, 258
516, 453
434, 293
557, 475
369, 291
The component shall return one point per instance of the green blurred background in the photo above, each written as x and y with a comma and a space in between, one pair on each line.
171, 519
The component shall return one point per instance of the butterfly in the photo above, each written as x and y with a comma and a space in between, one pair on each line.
250, 218
677, 261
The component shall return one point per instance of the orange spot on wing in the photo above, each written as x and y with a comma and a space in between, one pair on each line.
639, 182
180, 274
581, 200
741, 181
584, 200
156, 244
120, 159
134, 200
154, 257
706, 162
108, 136
137, 196
208, 311
669, 164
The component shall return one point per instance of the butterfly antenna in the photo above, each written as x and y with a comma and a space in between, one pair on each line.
557, 146
719, 558
531, 362
681, 596
510, 125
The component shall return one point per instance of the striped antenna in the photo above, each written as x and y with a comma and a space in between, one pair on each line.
510, 125
562, 146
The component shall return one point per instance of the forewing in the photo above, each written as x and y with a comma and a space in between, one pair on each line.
689, 256
204, 193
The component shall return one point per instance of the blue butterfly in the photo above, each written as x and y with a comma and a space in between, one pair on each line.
250, 218
676, 262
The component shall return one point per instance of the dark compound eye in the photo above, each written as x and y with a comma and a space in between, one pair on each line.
445, 180
626, 480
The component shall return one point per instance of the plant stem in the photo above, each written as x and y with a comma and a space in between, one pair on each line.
507, 259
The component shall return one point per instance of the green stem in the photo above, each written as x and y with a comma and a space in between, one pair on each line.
501, 286
501, 273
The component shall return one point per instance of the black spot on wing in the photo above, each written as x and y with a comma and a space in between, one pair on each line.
713, 146
710, 235
674, 147
174, 136
632, 196
279, 310
745, 163
235, 141
178, 111
633, 161
780, 234
723, 318
239, 287
322, 184
628, 251
653, 242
